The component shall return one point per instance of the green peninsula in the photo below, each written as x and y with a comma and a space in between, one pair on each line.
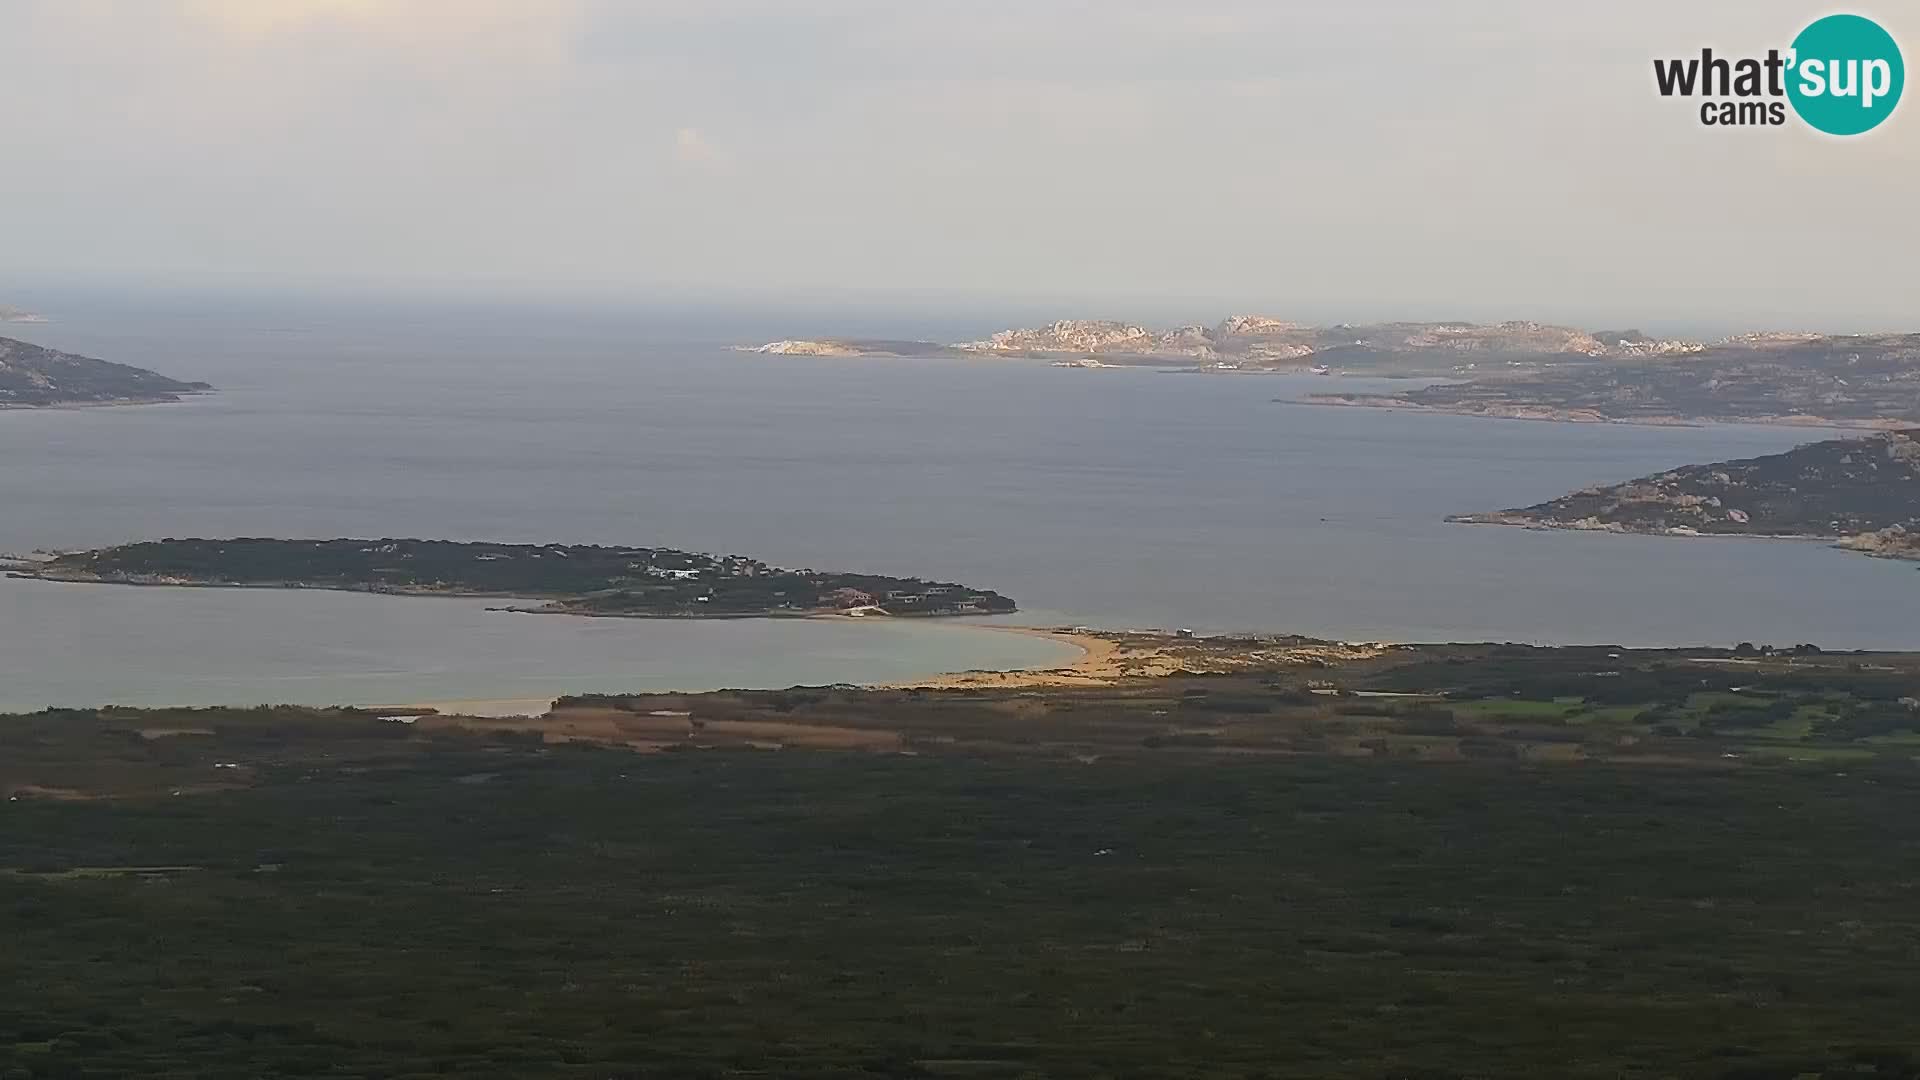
1856, 380
1862, 493
33, 376
572, 579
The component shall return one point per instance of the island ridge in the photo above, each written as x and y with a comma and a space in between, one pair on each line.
574, 579
32, 376
1862, 493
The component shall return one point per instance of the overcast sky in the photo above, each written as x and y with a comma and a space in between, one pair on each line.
1350, 159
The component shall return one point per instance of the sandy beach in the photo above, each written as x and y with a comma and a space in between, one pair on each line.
1102, 660
1106, 657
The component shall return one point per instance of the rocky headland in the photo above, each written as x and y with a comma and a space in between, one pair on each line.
1862, 494
33, 376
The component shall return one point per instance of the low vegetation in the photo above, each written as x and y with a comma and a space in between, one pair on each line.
1864, 492
1460, 861
1853, 379
576, 579
32, 376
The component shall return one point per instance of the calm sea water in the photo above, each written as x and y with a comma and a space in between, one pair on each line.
1117, 498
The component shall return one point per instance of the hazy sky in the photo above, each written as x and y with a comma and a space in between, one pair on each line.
1358, 158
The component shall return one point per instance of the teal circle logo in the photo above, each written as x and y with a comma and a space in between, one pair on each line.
1845, 75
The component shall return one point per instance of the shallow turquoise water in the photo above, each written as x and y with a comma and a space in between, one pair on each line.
86, 645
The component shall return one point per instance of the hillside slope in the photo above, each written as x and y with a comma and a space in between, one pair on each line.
1865, 493
1853, 380
31, 375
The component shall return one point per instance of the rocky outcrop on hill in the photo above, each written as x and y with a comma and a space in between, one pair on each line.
1096, 336
1892, 542
1242, 325
809, 348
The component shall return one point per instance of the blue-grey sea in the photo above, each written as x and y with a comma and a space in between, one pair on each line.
1113, 498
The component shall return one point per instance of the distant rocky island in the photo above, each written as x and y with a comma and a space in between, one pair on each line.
1263, 343
32, 376
1863, 494
9, 313
1515, 370
572, 579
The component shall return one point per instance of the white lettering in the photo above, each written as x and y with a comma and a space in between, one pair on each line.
1848, 87
1879, 80
1813, 77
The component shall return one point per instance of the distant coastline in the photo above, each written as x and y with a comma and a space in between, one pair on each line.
1519, 370
1255, 343
107, 403
1550, 415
